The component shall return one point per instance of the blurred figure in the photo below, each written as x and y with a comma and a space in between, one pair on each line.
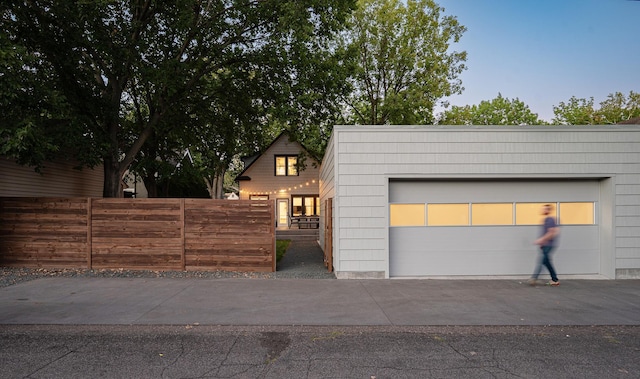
547, 243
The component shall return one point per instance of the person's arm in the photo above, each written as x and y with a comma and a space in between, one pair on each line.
551, 233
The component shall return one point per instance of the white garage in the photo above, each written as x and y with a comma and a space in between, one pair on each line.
483, 227
433, 201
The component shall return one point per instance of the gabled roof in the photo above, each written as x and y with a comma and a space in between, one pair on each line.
249, 161
631, 121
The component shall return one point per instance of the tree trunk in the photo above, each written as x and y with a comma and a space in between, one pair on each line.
112, 186
215, 185
151, 185
219, 181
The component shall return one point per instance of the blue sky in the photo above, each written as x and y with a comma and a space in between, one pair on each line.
545, 51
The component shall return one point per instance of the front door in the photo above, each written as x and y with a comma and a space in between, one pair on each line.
283, 213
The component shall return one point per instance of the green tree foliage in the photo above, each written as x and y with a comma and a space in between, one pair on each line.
499, 111
614, 109
618, 108
110, 76
403, 61
34, 110
575, 112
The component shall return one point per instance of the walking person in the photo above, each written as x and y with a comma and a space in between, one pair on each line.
547, 243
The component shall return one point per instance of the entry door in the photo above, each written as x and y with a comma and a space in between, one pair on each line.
283, 212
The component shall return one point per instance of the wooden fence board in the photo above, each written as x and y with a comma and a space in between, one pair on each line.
156, 234
43, 232
146, 233
224, 237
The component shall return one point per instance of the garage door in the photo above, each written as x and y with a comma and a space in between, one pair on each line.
481, 228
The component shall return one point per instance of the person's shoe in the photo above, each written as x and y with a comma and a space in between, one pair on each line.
553, 284
533, 282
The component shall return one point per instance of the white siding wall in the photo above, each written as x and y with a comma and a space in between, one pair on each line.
263, 179
58, 179
367, 156
327, 186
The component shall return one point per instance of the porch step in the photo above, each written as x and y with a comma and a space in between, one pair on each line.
298, 235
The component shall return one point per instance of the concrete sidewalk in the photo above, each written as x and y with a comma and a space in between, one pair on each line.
162, 301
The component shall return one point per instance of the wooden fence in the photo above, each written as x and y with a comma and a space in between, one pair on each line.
328, 234
155, 234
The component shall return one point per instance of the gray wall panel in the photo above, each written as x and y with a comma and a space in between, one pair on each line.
492, 191
366, 157
472, 251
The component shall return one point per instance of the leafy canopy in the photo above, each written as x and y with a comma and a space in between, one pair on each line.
499, 111
110, 75
403, 61
614, 109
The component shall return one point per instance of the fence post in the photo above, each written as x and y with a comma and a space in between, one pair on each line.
272, 214
89, 236
183, 260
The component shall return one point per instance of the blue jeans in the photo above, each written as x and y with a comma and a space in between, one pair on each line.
546, 261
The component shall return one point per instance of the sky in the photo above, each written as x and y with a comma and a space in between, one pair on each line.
543, 52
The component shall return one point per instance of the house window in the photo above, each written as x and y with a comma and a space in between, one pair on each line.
286, 165
259, 197
305, 206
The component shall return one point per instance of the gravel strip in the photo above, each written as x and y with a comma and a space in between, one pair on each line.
10, 275
303, 260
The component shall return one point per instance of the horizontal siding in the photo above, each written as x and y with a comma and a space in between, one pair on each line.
263, 178
628, 263
466, 157
484, 147
628, 221
367, 156
538, 168
535, 134
56, 179
327, 186
626, 253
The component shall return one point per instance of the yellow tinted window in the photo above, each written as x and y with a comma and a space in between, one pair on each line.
281, 168
576, 213
447, 214
292, 166
531, 213
406, 214
492, 214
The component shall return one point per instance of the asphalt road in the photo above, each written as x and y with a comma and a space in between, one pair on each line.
196, 328
198, 351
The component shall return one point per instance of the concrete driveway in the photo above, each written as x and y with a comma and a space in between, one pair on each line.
162, 301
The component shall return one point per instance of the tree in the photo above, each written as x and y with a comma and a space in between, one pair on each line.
34, 110
618, 107
403, 60
122, 69
499, 111
575, 112
614, 109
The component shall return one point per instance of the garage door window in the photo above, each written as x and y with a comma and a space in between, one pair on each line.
406, 214
576, 213
489, 214
447, 214
529, 213
492, 214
